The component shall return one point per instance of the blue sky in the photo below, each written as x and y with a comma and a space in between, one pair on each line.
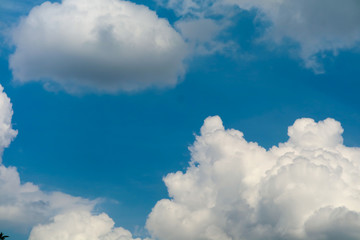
116, 142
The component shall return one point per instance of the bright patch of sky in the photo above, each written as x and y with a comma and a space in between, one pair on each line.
108, 98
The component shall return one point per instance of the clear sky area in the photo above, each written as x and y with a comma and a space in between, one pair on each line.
180, 119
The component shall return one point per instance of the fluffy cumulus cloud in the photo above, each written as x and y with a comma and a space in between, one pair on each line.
62, 216
80, 225
23, 205
6, 132
319, 27
306, 188
97, 45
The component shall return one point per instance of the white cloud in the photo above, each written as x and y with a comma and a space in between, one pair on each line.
97, 45
6, 132
305, 188
333, 224
80, 225
22, 205
318, 27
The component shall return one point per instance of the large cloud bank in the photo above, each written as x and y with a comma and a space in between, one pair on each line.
97, 45
317, 26
62, 216
306, 188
